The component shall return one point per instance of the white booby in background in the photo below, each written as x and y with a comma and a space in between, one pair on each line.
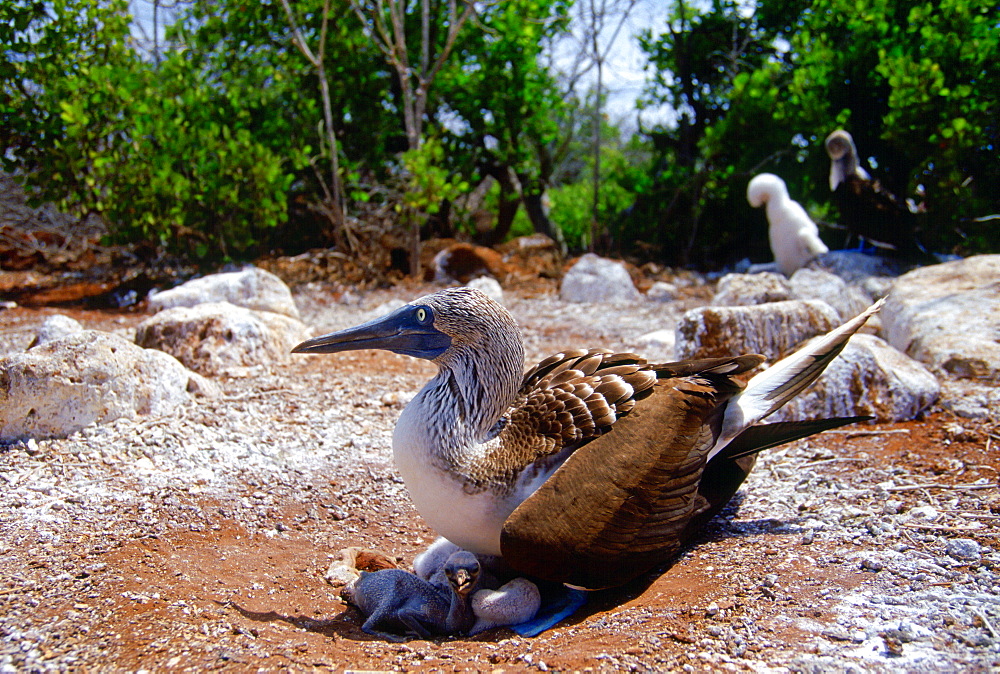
793, 236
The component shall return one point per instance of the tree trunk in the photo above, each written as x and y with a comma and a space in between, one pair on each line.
509, 202
535, 208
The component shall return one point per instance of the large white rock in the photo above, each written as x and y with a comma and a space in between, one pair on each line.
948, 316
848, 300
215, 337
737, 290
657, 346
596, 279
970, 398
489, 286
772, 329
252, 288
661, 291
55, 327
869, 377
65, 384
854, 266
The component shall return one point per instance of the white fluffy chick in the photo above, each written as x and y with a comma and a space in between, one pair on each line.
514, 603
431, 560
793, 236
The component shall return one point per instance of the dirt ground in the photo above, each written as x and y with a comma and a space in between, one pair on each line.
116, 555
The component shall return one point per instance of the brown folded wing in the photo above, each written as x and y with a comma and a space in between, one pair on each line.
625, 497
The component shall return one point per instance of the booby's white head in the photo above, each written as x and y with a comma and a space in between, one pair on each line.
843, 158
792, 234
764, 187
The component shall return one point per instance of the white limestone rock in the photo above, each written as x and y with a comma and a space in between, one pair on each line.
595, 279
661, 291
252, 288
749, 289
869, 377
219, 337
62, 385
970, 398
774, 329
948, 316
657, 346
876, 287
848, 300
55, 327
489, 286
854, 266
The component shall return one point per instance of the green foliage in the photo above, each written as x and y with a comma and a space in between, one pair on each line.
198, 178
918, 85
52, 54
429, 182
624, 175
506, 106
162, 154
247, 48
200, 148
943, 72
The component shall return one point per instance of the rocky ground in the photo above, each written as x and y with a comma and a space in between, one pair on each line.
200, 540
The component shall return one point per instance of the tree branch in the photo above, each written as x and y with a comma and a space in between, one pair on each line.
297, 38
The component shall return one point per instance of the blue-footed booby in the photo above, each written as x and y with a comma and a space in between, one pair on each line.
867, 209
793, 236
592, 467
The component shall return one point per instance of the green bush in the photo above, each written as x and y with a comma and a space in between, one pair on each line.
162, 153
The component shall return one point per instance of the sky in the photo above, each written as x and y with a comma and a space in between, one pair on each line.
625, 71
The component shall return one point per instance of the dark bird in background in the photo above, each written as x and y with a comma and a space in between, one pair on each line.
867, 209
591, 468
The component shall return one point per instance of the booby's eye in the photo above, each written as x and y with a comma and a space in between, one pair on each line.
423, 315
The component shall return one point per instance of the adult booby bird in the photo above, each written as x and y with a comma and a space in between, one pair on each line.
592, 467
866, 208
793, 236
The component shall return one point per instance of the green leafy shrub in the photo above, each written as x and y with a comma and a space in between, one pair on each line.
162, 153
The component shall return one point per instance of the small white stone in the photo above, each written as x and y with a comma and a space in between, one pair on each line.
928, 513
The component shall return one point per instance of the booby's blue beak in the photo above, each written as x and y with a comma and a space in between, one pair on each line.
409, 330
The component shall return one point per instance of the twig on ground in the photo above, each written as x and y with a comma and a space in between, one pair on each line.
935, 485
986, 622
945, 527
837, 458
857, 433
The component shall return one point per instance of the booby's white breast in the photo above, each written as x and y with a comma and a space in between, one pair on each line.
470, 519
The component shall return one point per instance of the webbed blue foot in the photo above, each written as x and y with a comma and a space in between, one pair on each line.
558, 602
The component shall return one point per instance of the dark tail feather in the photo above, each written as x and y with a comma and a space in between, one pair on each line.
758, 438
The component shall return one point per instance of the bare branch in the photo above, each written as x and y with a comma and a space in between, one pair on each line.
297, 35
335, 192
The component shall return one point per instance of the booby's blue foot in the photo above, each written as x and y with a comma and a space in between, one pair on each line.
864, 247
558, 602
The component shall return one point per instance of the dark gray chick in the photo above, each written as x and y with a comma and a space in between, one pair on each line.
458, 579
396, 602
